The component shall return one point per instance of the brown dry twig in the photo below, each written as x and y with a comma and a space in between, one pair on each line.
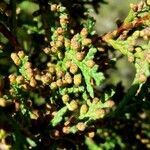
125, 27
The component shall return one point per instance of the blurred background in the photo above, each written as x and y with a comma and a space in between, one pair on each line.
106, 18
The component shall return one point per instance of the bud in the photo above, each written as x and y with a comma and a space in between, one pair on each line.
37, 77
47, 50
77, 79
75, 45
19, 79
84, 32
15, 59
86, 42
130, 58
79, 56
134, 7
140, 5
12, 78
60, 38
83, 109
63, 21
29, 73
21, 54
4, 102
53, 85
95, 100
91, 134
45, 79
60, 30
68, 64
60, 74
68, 78
27, 65
110, 103
51, 69
53, 7
59, 44
73, 105
90, 63
24, 86
52, 43
55, 134
64, 81
81, 126
54, 49
65, 98
67, 43
59, 83
99, 114
148, 2
33, 82
65, 130
73, 68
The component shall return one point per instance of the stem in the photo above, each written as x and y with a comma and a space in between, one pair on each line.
13, 17
44, 9
12, 39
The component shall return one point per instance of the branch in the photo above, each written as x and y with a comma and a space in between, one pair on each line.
12, 39
125, 27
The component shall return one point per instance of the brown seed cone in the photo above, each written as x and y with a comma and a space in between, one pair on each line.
21, 54
79, 56
65, 98
73, 105
68, 78
99, 113
33, 82
15, 59
65, 130
90, 63
67, 43
53, 85
27, 65
73, 68
12, 78
53, 7
59, 83
77, 79
83, 109
45, 79
60, 30
47, 50
81, 126
86, 42
19, 79
91, 134
59, 44
84, 32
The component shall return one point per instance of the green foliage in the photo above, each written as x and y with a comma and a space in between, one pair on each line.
56, 94
59, 116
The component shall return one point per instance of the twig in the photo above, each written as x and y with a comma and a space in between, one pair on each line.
12, 39
44, 9
13, 23
125, 27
